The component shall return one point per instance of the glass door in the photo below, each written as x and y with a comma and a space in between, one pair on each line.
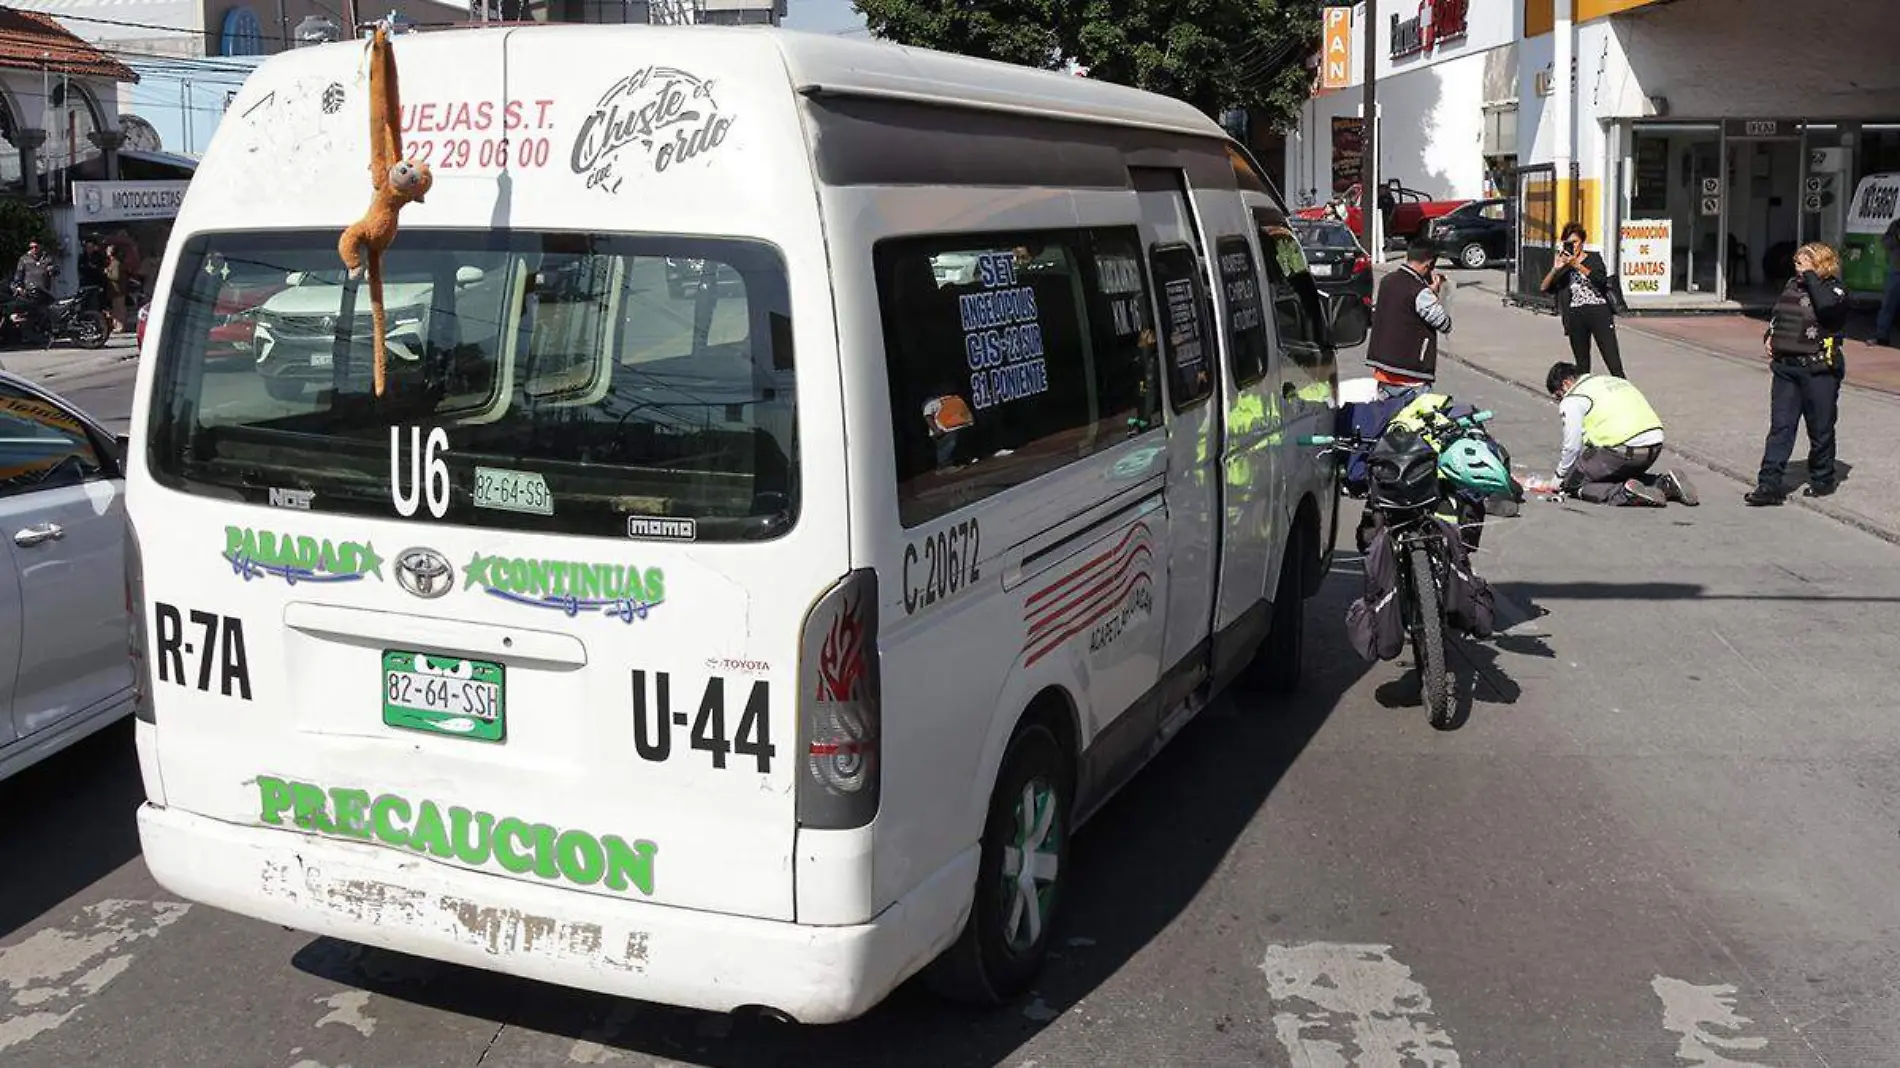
1676, 181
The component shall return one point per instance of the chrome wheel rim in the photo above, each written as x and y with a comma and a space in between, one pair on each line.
1031, 864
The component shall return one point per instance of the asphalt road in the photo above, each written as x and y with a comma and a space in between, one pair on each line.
1666, 834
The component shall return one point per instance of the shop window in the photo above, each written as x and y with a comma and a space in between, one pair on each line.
1246, 325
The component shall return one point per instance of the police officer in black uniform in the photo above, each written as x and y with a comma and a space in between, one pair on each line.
1804, 349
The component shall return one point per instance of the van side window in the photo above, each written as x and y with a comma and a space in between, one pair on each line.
1127, 364
1246, 327
1296, 303
1005, 361
1184, 323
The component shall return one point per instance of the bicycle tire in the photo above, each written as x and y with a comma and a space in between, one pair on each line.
1428, 642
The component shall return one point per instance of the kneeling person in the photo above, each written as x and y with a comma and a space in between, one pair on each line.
1612, 439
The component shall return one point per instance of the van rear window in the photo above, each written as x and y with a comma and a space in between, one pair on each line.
583, 384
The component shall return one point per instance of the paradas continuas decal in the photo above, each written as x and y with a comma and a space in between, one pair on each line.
474, 838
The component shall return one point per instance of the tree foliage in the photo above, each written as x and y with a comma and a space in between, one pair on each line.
1215, 54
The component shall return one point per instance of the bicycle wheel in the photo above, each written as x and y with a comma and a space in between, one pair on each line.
1428, 641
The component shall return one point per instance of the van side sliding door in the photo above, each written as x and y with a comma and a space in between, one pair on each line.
1189, 353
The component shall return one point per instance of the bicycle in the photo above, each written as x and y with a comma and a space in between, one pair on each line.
1411, 483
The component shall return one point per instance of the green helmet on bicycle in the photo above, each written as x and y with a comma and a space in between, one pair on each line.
1471, 462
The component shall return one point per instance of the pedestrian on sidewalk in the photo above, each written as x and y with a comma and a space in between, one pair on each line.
1612, 440
1890, 302
1581, 282
1407, 318
1805, 356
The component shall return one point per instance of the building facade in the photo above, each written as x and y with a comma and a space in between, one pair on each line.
1698, 141
1702, 141
1447, 87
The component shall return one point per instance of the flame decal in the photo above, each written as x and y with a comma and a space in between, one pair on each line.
841, 666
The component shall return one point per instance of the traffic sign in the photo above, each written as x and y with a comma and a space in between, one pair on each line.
1711, 205
1711, 187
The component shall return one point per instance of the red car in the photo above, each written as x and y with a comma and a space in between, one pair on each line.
1411, 216
230, 335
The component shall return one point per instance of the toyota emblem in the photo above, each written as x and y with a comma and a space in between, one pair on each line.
328, 323
424, 572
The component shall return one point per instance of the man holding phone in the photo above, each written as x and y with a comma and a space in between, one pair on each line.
1406, 321
1581, 283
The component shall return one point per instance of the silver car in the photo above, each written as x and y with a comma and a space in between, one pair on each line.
64, 668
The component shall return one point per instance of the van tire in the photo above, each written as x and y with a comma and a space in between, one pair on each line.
1280, 664
983, 967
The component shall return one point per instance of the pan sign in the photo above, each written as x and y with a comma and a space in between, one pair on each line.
98, 202
1644, 249
1437, 21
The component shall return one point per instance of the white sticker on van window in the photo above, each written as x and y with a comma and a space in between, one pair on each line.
1002, 335
656, 119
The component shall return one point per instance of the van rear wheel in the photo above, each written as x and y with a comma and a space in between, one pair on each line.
1019, 879
1280, 663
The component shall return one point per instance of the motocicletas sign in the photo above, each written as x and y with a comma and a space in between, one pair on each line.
1437, 21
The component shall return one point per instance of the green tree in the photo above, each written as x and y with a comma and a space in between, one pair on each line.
1214, 54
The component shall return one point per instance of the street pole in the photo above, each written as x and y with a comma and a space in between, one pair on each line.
1370, 221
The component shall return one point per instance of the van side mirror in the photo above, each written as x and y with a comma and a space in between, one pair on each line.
1350, 320
122, 453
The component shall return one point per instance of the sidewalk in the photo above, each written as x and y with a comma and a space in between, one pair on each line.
67, 365
1709, 381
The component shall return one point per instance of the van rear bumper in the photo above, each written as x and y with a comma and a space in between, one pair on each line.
382, 897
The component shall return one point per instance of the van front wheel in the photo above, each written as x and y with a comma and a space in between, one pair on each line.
1019, 879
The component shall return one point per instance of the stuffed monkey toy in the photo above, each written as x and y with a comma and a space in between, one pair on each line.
395, 182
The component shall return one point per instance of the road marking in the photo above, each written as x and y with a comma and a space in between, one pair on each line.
55, 970
1337, 1004
1689, 1010
347, 1008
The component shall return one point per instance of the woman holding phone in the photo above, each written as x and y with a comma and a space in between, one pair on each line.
1581, 282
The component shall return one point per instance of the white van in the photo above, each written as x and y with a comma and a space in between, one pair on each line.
872, 458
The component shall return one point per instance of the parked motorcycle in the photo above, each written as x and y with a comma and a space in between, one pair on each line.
1425, 485
76, 319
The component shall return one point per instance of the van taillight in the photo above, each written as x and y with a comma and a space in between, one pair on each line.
1361, 263
135, 617
840, 715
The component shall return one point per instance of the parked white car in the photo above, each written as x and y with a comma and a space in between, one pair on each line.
64, 669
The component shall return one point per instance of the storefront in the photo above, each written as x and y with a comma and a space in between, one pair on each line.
1707, 139
134, 216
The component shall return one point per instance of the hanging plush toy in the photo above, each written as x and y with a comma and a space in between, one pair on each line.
396, 182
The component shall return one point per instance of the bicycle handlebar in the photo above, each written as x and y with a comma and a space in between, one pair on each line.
1356, 440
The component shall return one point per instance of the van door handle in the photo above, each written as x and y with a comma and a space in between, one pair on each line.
45, 532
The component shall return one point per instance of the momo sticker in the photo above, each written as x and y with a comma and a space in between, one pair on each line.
653, 120
622, 591
1103, 598
475, 838
295, 558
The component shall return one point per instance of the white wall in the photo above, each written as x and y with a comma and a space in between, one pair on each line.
1431, 131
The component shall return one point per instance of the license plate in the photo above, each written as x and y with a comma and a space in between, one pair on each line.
320, 359
512, 491
444, 695
1322, 270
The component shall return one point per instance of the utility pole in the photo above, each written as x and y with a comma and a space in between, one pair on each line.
1370, 220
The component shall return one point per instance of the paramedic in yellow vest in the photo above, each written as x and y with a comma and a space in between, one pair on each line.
1612, 440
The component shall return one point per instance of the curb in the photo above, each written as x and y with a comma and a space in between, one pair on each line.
1730, 357
1746, 479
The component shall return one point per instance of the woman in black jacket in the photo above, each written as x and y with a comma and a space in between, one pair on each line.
1581, 282
1804, 352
